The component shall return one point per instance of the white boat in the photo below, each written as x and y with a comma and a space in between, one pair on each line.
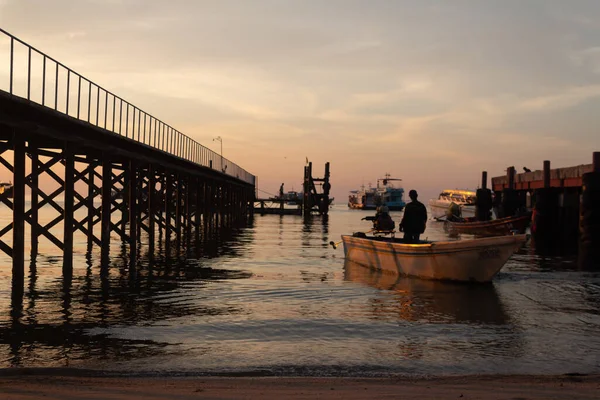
465, 199
475, 260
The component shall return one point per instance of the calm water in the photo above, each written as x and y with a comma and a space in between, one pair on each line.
273, 298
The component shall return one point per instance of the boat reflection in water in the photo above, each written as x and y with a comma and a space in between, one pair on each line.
431, 300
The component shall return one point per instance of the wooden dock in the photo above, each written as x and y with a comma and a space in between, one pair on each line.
564, 202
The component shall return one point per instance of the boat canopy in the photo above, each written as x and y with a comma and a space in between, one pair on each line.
450, 192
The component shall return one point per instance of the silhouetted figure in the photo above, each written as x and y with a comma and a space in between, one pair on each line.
526, 169
383, 220
414, 220
281, 191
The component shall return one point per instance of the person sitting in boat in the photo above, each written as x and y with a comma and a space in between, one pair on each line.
414, 219
382, 221
454, 213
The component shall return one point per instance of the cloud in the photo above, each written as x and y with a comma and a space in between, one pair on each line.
569, 97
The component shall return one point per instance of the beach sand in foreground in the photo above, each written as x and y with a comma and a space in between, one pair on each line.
467, 387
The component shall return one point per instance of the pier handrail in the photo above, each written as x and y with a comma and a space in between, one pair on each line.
117, 116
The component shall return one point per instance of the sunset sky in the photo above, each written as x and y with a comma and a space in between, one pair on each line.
433, 92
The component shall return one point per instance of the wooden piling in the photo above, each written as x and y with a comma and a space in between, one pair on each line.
69, 190
546, 174
106, 209
589, 218
483, 205
151, 208
133, 217
90, 202
168, 211
509, 196
178, 199
18, 248
35, 231
197, 213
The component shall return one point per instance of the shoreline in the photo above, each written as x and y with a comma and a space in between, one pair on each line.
25, 384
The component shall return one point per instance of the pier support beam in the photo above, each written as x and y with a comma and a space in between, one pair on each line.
35, 165
69, 189
510, 197
589, 220
133, 217
18, 247
483, 204
106, 210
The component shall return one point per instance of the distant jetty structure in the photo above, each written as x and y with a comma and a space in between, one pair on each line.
314, 198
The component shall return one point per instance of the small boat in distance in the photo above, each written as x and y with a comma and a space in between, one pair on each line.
475, 260
494, 227
6, 189
465, 199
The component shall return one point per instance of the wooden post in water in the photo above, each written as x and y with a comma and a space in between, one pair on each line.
133, 217
546, 174
35, 231
90, 202
18, 248
125, 199
589, 217
151, 208
509, 195
326, 188
197, 214
106, 209
547, 213
483, 204
69, 186
168, 211
178, 213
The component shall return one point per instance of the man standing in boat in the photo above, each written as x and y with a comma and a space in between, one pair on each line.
414, 219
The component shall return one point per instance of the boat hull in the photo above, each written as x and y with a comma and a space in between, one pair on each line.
477, 260
439, 209
497, 227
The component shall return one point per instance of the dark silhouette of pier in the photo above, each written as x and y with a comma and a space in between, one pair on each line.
127, 171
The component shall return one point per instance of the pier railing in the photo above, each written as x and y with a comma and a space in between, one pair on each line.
33, 75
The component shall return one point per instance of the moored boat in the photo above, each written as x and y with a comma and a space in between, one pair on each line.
385, 194
391, 196
364, 199
495, 227
476, 260
464, 199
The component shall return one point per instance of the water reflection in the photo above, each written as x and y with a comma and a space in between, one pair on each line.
430, 300
53, 326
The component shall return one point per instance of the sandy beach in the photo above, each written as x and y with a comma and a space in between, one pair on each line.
25, 387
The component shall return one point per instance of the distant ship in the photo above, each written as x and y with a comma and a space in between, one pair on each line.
391, 196
363, 199
384, 194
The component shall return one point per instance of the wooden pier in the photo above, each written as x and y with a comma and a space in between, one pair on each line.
131, 172
565, 203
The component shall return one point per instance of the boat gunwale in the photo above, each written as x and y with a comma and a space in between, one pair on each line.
449, 246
